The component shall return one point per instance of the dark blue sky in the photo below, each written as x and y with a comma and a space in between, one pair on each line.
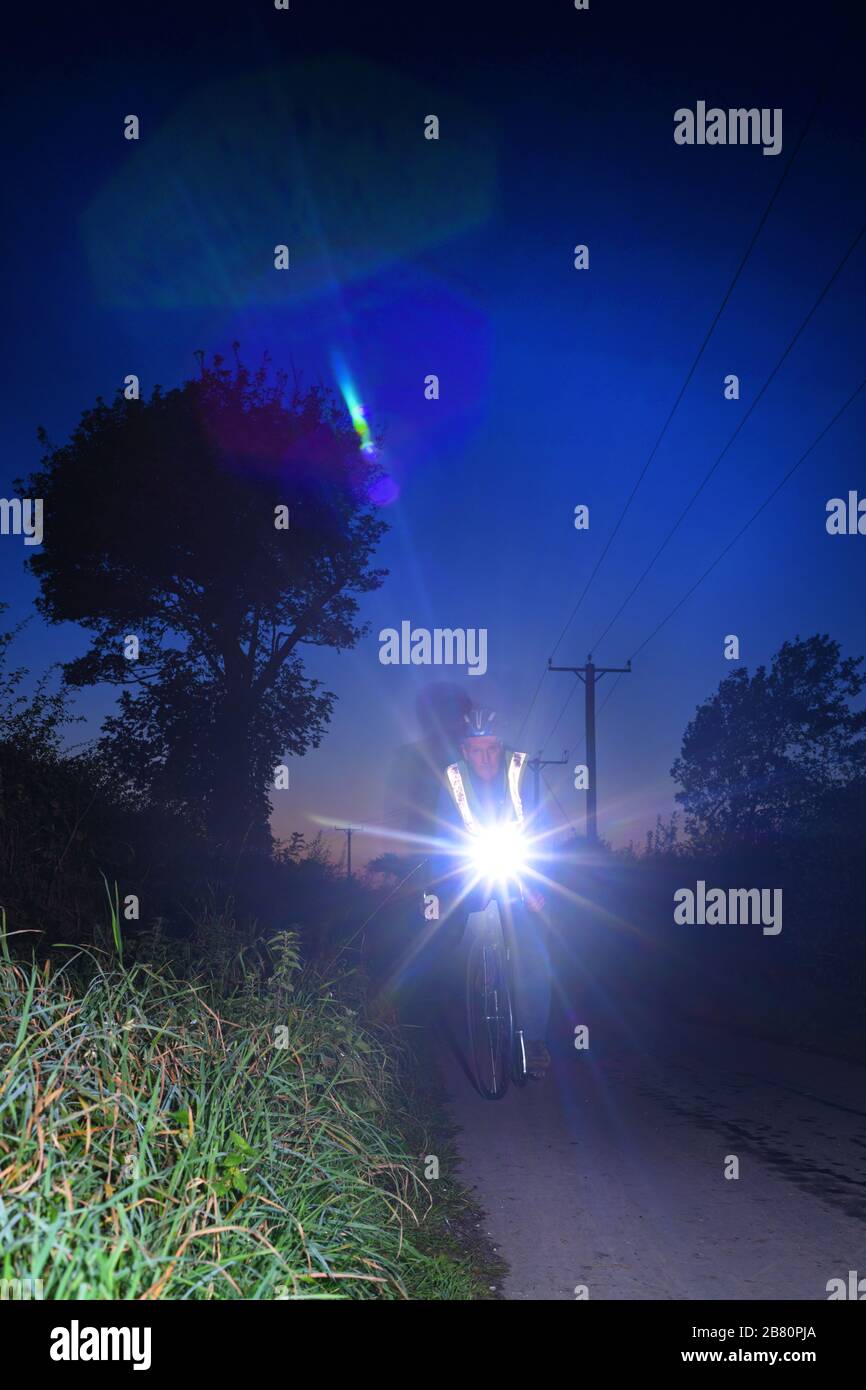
456, 258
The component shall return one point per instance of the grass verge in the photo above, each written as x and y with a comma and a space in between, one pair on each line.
169, 1137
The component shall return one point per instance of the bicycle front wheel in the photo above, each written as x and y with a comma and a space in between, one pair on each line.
489, 1013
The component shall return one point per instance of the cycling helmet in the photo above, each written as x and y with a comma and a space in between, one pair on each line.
478, 723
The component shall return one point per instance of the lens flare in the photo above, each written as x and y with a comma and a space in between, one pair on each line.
357, 413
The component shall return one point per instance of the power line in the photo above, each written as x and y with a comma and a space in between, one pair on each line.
759, 228
722, 553
729, 291
568, 701
531, 704
568, 819
696, 494
822, 295
767, 500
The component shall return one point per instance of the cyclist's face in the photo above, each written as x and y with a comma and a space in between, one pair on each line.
484, 756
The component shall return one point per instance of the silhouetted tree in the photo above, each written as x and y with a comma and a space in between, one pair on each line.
160, 522
762, 757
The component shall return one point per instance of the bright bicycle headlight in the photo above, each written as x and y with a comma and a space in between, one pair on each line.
498, 852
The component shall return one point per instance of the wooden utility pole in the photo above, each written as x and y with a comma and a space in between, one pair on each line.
348, 831
589, 674
537, 763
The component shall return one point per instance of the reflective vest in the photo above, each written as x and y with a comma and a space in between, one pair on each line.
466, 800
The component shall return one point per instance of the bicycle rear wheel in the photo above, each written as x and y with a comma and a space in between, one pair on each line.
489, 1011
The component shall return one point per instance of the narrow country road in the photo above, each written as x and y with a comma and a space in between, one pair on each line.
610, 1174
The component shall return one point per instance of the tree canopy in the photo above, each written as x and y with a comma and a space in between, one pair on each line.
163, 522
762, 756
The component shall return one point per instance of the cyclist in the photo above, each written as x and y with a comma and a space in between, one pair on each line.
482, 789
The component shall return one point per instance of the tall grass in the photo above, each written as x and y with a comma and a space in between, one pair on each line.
168, 1137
